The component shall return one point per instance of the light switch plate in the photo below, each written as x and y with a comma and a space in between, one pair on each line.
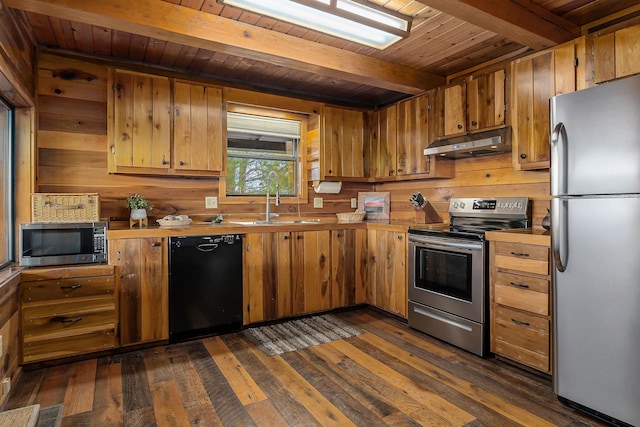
211, 202
354, 203
317, 202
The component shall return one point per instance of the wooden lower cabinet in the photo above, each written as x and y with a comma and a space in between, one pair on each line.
67, 311
384, 265
142, 279
521, 299
293, 273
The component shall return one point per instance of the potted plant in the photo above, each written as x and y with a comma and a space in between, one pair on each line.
139, 206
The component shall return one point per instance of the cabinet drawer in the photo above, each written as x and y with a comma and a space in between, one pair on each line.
523, 292
522, 257
47, 290
522, 337
67, 319
45, 349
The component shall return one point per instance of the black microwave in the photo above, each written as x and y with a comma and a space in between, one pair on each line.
45, 244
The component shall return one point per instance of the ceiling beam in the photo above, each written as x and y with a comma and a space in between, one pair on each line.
166, 21
521, 21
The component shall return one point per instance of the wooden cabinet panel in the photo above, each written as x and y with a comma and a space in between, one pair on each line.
383, 157
604, 57
140, 128
142, 276
452, 111
342, 148
413, 133
311, 271
523, 292
387, 275
522, 337
67, 311
199, 128
527, 258
616, 54
486, 101
343, 268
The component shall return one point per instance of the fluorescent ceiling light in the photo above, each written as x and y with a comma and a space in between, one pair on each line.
354, 20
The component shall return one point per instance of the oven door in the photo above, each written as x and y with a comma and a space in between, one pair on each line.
448, 274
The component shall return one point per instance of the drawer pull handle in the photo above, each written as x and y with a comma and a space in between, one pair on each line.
519, 323
70, 287
155, 244
519, 285
70, 320
519, 254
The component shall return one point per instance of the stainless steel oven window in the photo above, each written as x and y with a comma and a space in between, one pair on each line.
6, 185
444, 272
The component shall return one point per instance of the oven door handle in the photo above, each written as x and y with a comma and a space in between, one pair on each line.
448, 245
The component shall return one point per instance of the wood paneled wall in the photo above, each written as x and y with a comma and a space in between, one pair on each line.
72, 157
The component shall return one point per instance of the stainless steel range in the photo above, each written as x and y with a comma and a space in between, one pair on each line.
448, 270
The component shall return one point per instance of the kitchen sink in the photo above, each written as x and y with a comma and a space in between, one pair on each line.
277, 222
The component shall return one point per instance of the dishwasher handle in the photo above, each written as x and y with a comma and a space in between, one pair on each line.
207, 247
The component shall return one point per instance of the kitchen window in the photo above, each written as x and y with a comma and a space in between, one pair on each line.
260, 141
6, 185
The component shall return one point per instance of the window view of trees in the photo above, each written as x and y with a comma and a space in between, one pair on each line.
256, 146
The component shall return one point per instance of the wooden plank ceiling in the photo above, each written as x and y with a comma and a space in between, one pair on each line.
207, 39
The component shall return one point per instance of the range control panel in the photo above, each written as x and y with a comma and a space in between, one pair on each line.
490, 207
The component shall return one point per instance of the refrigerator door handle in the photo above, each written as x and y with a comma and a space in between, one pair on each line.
559, 233
558, 168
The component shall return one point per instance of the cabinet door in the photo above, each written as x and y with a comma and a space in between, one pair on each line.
413, 131
142, 276
343, 268
310, 271
485, 101
451, 109
383, 143
342, 149
140, 129
616, 55
387, 260
199, 130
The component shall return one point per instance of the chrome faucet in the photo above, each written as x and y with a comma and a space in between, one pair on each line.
268, 208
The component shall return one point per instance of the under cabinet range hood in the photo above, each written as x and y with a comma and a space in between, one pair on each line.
472, 145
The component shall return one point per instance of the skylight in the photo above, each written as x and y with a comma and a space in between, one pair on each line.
355, 20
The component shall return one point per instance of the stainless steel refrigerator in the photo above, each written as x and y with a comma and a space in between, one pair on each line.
595, 217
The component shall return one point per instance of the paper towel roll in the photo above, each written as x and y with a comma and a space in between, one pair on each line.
329, 187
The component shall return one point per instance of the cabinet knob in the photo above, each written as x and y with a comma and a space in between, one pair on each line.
155, 244
330, 171
285, 237
164, 162
299, 237
181, 163
474, 123
400, 170
399, 237
523, 155
459, 126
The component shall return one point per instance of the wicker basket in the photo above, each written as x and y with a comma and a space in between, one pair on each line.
356, 216
65, 207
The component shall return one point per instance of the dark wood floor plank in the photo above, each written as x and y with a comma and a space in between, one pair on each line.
285, 403
77, 420
225, 402
54, 386
135, 384
341, 399
25, 391
156, 364
141, 417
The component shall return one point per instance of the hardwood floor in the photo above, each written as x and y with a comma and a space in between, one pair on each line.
389, 375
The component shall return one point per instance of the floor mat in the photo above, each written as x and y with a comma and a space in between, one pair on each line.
300, 333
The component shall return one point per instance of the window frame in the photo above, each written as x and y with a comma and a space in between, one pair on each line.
8, 179
301, 160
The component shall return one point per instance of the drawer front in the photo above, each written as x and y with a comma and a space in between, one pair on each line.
42, 322
521, 336
522, 257
47, 290
45, 349
523, 292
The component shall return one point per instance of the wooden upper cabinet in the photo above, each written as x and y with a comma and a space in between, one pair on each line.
486, 101
616, 54
451, 110
139, 123
414, 131
537, 78
383, 156
199, 128
342, 146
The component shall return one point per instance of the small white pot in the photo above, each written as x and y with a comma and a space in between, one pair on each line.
138, 213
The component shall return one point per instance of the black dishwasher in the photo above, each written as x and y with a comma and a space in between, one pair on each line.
205, 285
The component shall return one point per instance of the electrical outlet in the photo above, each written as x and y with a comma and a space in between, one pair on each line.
354, 202
211, 202
317, 202
6, 385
